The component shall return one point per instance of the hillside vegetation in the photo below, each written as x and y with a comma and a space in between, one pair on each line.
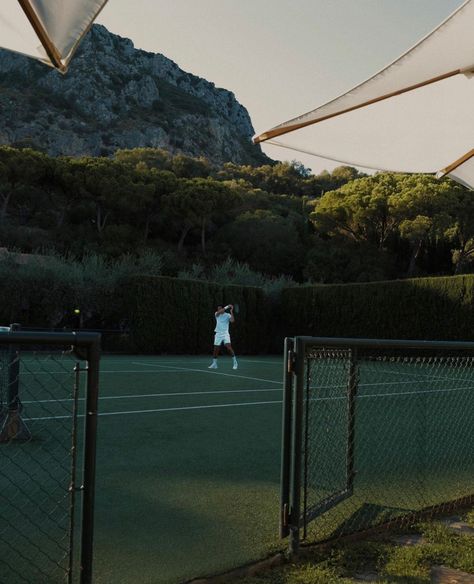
277, 220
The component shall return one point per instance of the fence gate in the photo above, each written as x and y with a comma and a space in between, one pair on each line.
48, 417
316, 476
374, 432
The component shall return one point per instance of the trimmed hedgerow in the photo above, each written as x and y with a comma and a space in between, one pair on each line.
169, 315
423, 308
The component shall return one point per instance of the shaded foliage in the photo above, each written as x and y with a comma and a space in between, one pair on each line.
278, 218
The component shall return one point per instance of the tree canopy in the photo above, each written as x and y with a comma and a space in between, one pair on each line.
277, 219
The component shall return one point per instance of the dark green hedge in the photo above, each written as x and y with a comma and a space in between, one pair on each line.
423, 308
169, 315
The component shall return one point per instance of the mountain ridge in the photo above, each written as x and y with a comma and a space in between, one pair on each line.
118, 97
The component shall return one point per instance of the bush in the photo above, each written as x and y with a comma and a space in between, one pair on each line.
42, 290
240, 274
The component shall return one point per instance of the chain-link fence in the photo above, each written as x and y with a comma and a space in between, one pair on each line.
42, 455
377, 432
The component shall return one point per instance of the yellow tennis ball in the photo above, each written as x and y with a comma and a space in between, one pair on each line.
77, 311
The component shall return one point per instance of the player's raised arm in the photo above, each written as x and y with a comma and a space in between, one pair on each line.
231, 307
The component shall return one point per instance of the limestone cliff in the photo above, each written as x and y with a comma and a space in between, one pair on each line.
115, 96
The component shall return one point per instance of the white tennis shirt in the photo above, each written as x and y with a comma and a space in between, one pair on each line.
222, 323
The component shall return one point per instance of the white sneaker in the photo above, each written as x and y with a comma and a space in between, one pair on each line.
213, 366
235, 365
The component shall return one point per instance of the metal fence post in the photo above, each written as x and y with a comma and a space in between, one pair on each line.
93, 358
286, 438
295, 512
352, 394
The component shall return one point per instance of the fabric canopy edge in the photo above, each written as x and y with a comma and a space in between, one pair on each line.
85, 31
297, 123
53, 56
280, 131
447, 172
48, 45
456, 164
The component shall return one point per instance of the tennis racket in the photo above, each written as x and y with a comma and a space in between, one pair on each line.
236, 309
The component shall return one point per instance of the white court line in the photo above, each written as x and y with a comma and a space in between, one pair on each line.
71, 372
145, 395
169, 370
205, 359
256, 390
240, 359
238, 376
178, 409
396, 394
259, 390
213, 372
410, 382
159, 410
423, 376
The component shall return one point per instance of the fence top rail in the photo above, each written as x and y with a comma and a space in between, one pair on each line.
383, 343
76, 339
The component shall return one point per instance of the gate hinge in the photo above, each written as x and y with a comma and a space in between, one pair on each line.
291, 361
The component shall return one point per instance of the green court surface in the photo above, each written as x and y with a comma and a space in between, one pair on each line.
188, 467
188, 459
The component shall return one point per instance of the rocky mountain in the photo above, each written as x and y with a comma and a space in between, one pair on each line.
115, 96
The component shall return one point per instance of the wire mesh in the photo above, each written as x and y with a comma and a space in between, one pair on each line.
37, 470
387, 434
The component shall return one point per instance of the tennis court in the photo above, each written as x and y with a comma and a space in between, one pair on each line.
188, 468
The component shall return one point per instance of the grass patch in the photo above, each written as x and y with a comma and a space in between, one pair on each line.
470, 518
303, 574
393, 563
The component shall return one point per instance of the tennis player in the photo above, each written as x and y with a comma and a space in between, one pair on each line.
223, 319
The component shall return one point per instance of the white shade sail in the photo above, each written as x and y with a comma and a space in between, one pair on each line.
416, 115
48, 30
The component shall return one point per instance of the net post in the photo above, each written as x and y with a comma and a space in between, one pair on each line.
297, 439
88, 487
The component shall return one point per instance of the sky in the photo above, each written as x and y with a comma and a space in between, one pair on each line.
280, 58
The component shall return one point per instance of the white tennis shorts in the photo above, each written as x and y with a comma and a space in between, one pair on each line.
221, 338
